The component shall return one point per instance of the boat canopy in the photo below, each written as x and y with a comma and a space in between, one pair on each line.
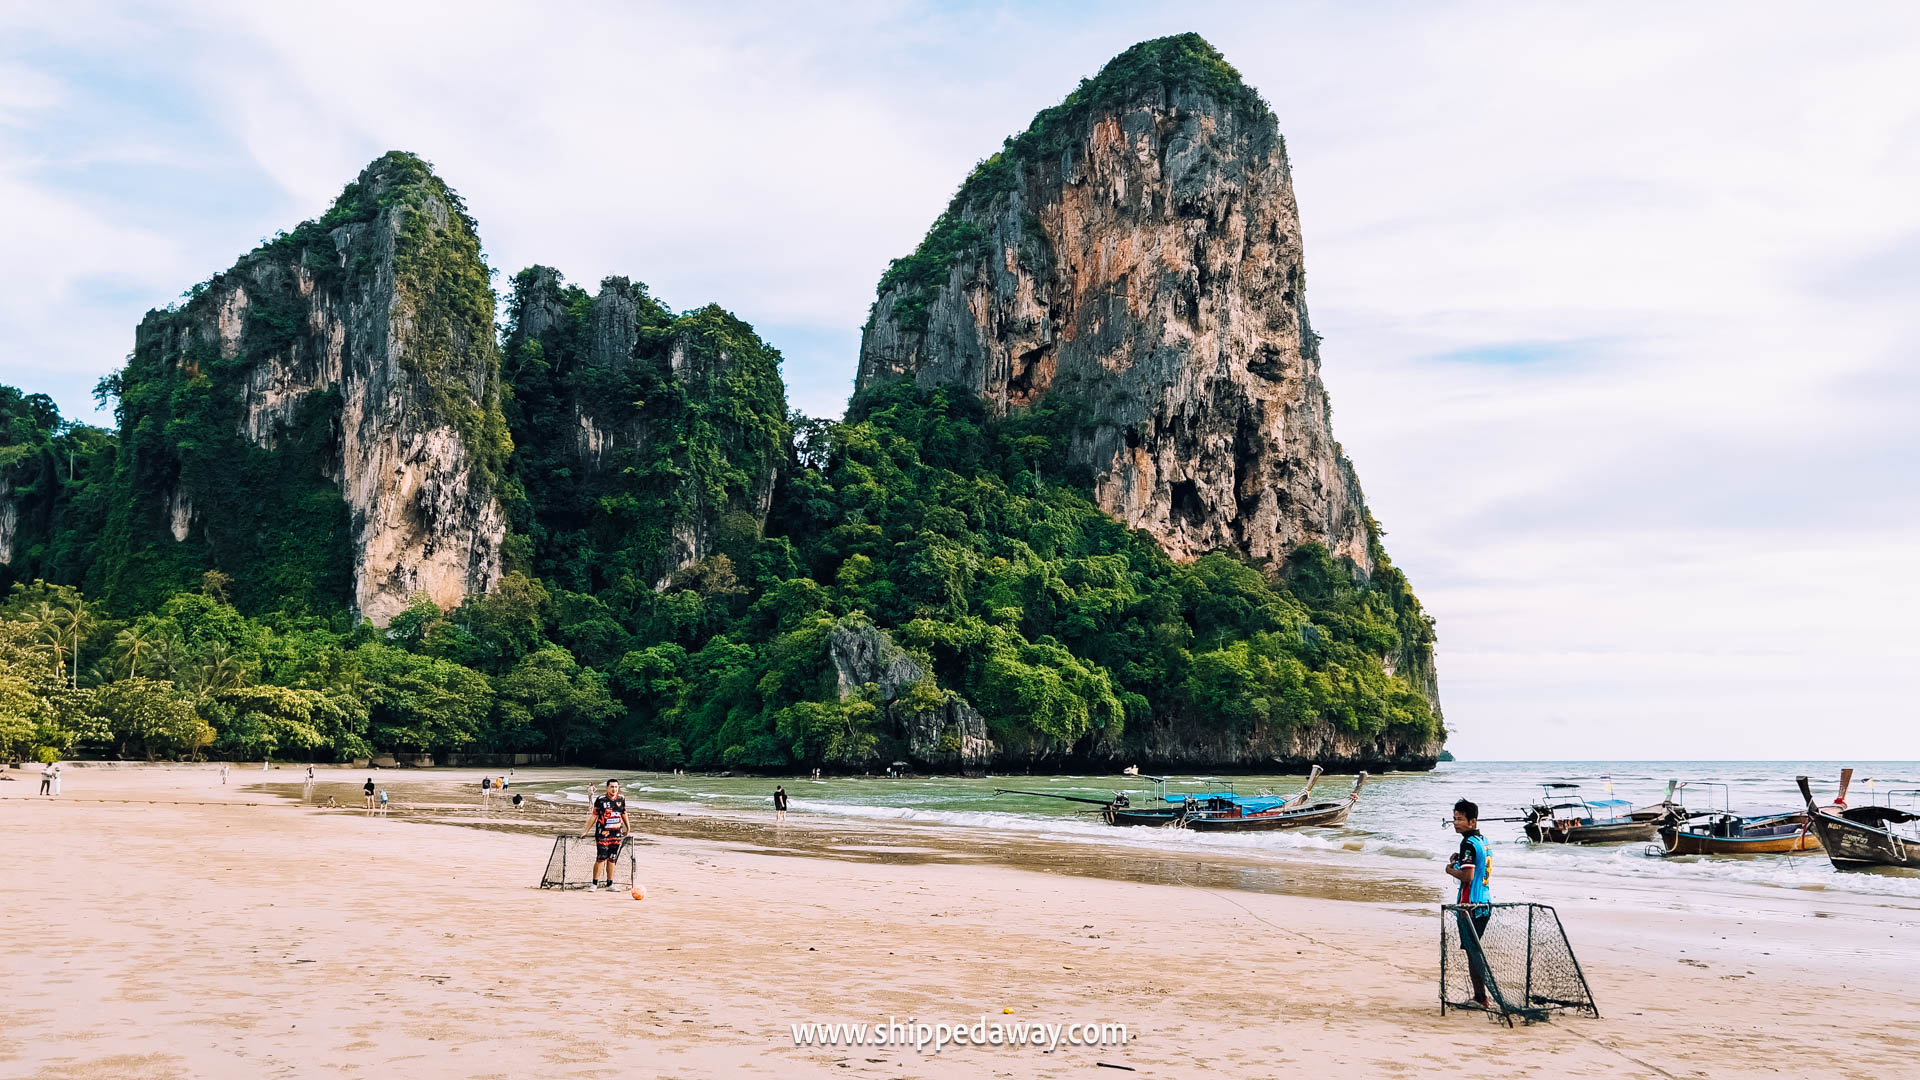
1609, 809
1753, 813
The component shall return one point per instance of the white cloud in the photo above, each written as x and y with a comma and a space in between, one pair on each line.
1615, 297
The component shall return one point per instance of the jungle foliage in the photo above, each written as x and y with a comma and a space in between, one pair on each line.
682, 553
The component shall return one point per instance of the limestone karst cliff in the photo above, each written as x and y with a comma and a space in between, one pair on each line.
646, 441
1084, 510
1133, 260
1138, 250
322, 421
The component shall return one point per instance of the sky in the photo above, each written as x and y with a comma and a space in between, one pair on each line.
1618, 299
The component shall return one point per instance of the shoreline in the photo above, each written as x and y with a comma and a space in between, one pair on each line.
234, 930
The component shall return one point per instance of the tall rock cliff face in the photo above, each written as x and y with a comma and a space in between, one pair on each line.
646, 441
1133, 262
1136, 252
323, 421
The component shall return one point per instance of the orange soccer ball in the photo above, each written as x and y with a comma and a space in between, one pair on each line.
639, 893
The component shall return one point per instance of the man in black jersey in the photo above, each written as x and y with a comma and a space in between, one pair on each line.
608, 828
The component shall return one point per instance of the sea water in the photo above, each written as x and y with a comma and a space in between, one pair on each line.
1400, 817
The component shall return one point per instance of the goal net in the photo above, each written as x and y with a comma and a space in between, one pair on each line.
571, 864
1518, 954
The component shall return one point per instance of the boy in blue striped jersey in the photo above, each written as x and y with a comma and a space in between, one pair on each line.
1471, 867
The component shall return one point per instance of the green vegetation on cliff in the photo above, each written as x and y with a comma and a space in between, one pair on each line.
650, 615
192, 489
1075, 637
622, 457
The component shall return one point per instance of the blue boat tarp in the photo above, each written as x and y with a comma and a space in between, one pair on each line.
1609, 809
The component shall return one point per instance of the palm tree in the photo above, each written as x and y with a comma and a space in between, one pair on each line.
74, 621
167, 657
219, 670
133, 648
49, 631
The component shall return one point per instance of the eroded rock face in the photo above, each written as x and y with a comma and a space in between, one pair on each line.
9, 521
1148, 264
948, 736
1171, 747
358, 319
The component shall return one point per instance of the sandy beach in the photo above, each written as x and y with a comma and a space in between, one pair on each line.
162, 925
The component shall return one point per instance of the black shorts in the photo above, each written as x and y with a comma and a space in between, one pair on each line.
607, 848
1479, 919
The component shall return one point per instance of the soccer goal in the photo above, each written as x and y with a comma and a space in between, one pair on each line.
571, 864
1522, 958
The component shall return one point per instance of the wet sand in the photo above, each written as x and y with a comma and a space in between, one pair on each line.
160, 925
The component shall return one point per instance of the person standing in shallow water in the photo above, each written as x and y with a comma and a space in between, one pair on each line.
1472, 867
779, 804
369, 791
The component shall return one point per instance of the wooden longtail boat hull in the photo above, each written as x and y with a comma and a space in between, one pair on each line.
1322, 814
1115, 815
1679, 842
1610, 833
1852, 845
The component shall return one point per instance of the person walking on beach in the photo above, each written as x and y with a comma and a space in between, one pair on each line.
608, 827
383, 802
56, 778
223, 776
368, 788
1472, 866
779, 804
486, 791
46, 778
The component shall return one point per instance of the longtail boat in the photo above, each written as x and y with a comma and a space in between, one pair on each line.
1238, 819
1166, 809
1722, 830
1862, 836
1562, 816
1730, 834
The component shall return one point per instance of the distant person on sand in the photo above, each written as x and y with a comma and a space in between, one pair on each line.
223, 776
46, 778
516, 800
608, 827
779, 803
486, 791
1471, 866
383, 800
368, 788
56, 778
